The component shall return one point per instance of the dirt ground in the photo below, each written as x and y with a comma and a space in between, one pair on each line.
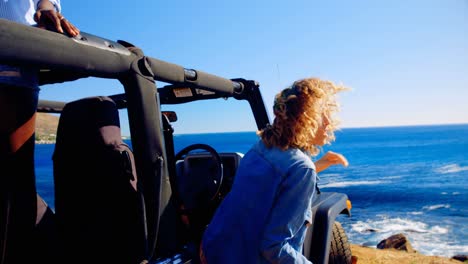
366, 255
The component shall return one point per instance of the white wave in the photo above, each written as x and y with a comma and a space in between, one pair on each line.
360, 226
452, 168
453, 193
352, 183
429, 240
395, 225
436, 247
392, 177
416, 213
330, 175
439, 230
390, 225
436, 206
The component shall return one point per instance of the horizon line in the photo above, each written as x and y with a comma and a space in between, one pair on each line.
349, 127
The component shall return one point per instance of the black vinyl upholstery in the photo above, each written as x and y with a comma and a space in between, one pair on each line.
98, 205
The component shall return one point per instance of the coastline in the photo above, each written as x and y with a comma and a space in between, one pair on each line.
45, 142
368, 255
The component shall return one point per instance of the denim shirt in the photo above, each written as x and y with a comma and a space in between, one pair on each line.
263, 218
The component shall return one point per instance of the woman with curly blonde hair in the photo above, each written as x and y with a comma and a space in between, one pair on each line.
265, 216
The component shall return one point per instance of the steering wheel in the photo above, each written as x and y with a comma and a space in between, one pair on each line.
201, 180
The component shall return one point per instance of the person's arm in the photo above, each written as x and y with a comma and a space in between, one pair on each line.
48, 15
288, 218
330, 158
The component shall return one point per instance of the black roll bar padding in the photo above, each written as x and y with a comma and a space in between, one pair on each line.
251, 93
48, 76
144, 114
90, 55
26, 45
212, 82
175, 74
147, 148
166, 71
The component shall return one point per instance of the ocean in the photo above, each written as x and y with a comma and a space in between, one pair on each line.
411, 180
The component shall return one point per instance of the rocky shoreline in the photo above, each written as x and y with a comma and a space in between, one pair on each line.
368, 255
397, 249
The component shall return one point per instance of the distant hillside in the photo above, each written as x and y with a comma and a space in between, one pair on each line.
46, 128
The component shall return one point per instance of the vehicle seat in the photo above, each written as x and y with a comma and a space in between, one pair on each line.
99, 209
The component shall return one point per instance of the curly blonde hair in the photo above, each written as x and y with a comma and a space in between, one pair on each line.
299, 111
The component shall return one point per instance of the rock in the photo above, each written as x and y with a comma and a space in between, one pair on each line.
371, 230
398, 241
461, 258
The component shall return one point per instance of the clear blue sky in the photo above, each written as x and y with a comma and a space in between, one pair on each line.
406, 61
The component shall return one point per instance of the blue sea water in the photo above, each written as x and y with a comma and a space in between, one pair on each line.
411, 180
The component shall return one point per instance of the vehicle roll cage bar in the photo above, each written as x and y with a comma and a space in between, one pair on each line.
61, 59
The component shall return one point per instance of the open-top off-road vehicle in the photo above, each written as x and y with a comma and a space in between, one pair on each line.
144, 204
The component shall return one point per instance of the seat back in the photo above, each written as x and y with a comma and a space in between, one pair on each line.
99, 209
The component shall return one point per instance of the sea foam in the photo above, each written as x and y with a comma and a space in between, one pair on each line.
429, 240
436, 206
351, 183
452, 168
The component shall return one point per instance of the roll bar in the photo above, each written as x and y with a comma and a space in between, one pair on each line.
90, 55
62, 59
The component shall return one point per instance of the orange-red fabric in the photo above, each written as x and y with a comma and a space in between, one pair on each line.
202, 255
22, 134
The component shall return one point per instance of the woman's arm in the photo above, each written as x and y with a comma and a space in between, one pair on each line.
330, 158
